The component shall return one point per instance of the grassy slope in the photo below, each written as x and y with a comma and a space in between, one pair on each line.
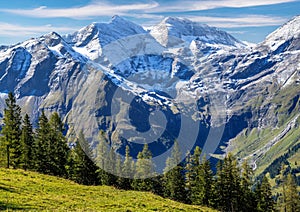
247, 142
23, 190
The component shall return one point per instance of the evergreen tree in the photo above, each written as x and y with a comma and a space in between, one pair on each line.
12, 131
85, 170
27, 142
228, 185
205, 186
105, 157
127, 171
143, 171
193, 168
247, 195
292, 198
265, 201
58, 146
42, 157
174, 184
110, 177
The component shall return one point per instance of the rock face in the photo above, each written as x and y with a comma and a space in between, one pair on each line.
180, 80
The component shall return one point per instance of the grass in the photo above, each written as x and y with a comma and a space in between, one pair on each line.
30, 191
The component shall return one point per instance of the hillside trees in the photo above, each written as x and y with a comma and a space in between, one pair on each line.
291, 201
144, 169
264, 198
84, 168
11, 132
192, 180
44, 150
27, 143
174, 184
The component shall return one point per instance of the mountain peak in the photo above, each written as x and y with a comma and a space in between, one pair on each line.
117, 18
181, 21
188, 30
285, 33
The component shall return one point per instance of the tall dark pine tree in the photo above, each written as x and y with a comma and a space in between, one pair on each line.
174, 184
227, 189
58, 146
265, 202
12, 131
193, 167
42, 157
205, 184
27, 142
85, 170
292, 199
247, 195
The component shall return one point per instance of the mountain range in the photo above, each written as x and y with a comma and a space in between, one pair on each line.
178, 80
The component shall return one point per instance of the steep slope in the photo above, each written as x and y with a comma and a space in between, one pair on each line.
182, 80
21, 190
272, 96
40, 71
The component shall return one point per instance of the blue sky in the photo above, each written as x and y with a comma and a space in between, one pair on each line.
247, 20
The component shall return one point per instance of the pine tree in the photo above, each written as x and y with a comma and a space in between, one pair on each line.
27, 142
144, 171
127, 171
42, 157
105, 157
12, 131
193, 167
206, 184
228, 185
247, 195
174, 184
292, 198
265, 201
58, 146
84, 168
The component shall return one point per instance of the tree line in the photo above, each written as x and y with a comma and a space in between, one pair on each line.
46, 150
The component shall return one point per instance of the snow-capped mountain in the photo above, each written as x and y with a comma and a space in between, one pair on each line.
286, 35
113, 76
90, 40
173, 31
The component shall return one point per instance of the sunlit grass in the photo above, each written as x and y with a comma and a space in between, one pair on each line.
23, 190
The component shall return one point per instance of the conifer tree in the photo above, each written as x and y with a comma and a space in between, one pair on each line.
12, 131
59, 149
127, 171
27, 142
292, 198
193, 167
247, 195
265, 202
85, 170
143, 171
174, 184
109, 178
105, 157
228, 185
206, 183
42, 158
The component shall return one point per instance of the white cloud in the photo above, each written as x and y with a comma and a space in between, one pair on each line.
106, 9
243, 21
88, 11
14, 30
184, 6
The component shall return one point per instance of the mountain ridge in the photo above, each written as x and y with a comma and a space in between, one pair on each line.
218, 81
